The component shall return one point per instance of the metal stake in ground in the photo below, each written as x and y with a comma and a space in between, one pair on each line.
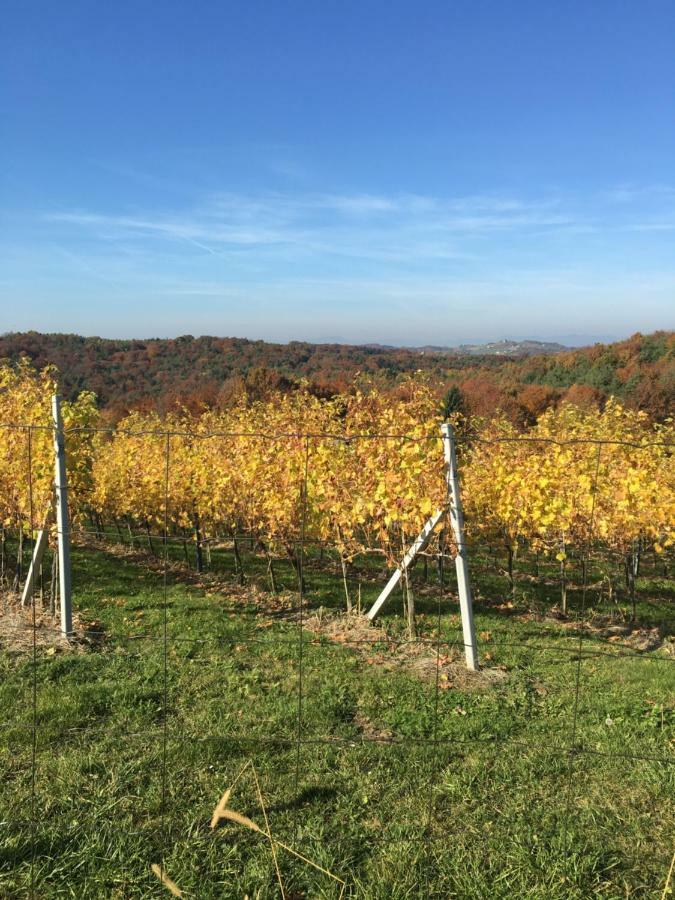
461, 562
62, 519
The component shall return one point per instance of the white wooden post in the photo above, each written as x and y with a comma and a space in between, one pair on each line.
62, 519
461, 562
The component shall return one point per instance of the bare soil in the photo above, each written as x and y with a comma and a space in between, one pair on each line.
20, 633
422, 659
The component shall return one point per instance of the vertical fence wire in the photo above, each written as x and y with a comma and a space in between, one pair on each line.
572, 749
33, 787
437, 684
301, 605
437, 689
165, 655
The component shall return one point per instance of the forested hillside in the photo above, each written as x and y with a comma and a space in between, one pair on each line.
165, 373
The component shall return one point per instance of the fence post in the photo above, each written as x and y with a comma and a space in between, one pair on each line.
62, 520
461, 561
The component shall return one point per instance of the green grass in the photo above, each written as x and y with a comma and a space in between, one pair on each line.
471, 793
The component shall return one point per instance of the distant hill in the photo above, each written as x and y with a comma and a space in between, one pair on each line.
512, 348
128, 371
519, 377
493, 348
500, 348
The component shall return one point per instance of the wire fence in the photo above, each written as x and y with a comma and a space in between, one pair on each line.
282, 745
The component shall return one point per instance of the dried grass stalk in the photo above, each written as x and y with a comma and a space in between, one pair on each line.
171, 886
222, 805
240, 820
269, 834
666, 889
222, 812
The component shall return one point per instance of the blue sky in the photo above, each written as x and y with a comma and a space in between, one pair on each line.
401, 172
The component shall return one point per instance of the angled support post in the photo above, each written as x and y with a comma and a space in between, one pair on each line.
62, 518
41, 543
461, 561
422, 540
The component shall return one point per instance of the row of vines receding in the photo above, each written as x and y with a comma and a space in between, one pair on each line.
361, 472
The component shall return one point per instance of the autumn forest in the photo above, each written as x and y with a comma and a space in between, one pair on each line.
163, 375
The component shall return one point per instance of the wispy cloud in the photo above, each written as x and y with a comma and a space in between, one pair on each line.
631, 193
393, 229
81, 262
187, 227
651, 226
306, 263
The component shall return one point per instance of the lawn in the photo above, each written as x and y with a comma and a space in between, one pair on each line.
547, 775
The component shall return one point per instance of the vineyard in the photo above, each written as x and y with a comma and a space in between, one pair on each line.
361, 473
222, 565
